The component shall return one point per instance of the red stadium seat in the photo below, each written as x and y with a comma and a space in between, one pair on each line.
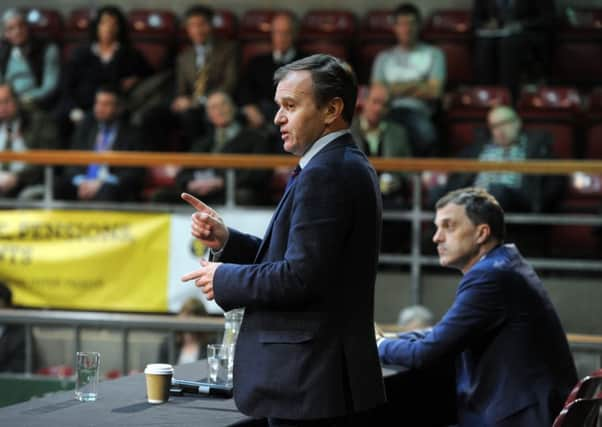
450, 30
593, 138
159, 177
555, 109
327, 31
466, 111
587, 387
328, 23
365, 54
257, 23
376, 26
225, 24
77, 31
255, 32
580, 413
375, 35
251, 49
578, 47
153, 32
45, 23
448, 24
325, 46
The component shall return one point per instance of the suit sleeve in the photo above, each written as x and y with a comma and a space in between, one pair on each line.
315, 237
478, 309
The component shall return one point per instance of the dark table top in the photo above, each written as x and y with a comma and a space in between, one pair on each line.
122, 402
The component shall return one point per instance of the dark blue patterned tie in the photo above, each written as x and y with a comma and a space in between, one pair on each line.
294, 174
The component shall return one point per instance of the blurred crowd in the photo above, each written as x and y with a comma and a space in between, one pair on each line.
106, 94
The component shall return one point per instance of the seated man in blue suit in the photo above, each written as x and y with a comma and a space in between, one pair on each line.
513, 363
301, 359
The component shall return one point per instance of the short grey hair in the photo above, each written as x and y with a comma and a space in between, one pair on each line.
10, 14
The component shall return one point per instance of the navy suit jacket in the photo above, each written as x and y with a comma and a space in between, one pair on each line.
305, 348
513, 359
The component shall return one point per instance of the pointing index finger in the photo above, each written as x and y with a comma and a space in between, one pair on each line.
196, 203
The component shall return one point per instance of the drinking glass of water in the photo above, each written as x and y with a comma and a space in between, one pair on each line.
87, 365
220, 358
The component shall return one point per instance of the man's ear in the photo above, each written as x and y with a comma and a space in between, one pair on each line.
334, 110
483, 233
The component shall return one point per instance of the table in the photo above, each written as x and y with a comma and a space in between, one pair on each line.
122, 402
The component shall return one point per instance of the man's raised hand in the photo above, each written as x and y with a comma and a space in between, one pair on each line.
207, 225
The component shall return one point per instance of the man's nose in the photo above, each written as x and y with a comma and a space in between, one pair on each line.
279, 117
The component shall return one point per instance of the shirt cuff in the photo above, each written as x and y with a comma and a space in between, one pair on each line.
215, 256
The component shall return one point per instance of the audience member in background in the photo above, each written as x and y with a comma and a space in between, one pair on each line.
108, 59
414, 73
415, 317
227, 135
190, 346
208, 65
104, 130
507, 141
21, 130
12, 338
29, 64
510, 34
513, 362
257, 87
380, 137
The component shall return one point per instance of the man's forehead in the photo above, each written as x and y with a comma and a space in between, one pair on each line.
294, 85
450, 212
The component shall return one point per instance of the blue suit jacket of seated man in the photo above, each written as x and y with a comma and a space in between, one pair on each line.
513, 360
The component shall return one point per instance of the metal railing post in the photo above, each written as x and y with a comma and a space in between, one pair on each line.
230, 188
416, 252
28, 349
125, 351
78, 337
171, 347
48, 186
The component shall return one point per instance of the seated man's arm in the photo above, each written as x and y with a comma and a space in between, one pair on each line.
475, 312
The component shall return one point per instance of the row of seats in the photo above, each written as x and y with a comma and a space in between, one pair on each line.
574, 120
577, 55
584, 403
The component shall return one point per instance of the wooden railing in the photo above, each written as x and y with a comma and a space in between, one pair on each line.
246, 161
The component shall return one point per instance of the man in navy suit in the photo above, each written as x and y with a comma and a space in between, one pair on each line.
513, 363
303, 355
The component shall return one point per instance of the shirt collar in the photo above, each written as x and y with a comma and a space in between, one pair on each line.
318, 145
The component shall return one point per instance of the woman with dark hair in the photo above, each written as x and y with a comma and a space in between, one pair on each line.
107, 59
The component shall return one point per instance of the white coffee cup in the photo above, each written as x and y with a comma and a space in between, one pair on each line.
158, 382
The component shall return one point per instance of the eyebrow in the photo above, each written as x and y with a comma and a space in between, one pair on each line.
284, 99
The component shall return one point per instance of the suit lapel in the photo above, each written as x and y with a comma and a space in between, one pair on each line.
338, 144
268, 232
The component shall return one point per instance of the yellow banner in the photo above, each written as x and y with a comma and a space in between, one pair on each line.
85, 260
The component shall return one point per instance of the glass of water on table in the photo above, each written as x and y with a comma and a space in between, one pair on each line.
87, 365
220, 360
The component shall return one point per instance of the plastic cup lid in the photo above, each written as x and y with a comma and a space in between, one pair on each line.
158, 368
